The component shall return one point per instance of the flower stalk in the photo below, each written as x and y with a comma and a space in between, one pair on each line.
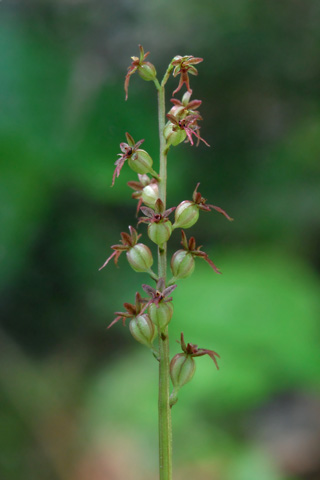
165, 425
150, 317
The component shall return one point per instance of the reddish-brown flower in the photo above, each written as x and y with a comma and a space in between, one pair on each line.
145, 191
127, 149
131, 310
158, 215
146, 69
159, 294
191, 248
185, 107
193, 351
189, 124
138, 255
184, 66
160, 227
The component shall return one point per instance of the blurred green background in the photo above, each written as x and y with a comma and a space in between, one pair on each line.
78, 402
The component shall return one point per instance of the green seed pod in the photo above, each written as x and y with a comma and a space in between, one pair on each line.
140, 257
182, 368
143, 330
147, 71
160, 232
161, 314
174, 135
140, 162
182, 264
186, 214
150, 194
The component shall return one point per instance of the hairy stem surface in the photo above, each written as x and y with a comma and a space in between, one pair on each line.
165, 428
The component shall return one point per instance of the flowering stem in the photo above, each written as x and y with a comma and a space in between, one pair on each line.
165, 428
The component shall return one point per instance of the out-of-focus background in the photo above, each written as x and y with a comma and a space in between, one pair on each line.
79, 402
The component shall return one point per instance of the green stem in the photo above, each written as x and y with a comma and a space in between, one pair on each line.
165, 428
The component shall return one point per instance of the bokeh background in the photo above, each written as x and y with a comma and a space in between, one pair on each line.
78, 402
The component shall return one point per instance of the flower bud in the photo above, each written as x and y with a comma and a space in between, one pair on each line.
140, 257
140, 162
186, 214
150, 194
160, 232
147, 71
161, 314
182, 264
182, 368
174, 135
143, 330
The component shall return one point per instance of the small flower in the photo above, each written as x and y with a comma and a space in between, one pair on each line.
184, 66
185, 107
160, 306
141, 327
193, 351
127, 149
160, 294
131, 310
189, 125
139, 255
139, 160
160, 227
182, 366
181, 264
187, 212
146, 70
145, 191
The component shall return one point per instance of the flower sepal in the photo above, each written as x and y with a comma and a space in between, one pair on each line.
139, 160
187, 212
160, 227
146, 70
183, 66
182, 365
132, 310
160, 306
146, 191
139, 255
182, 261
